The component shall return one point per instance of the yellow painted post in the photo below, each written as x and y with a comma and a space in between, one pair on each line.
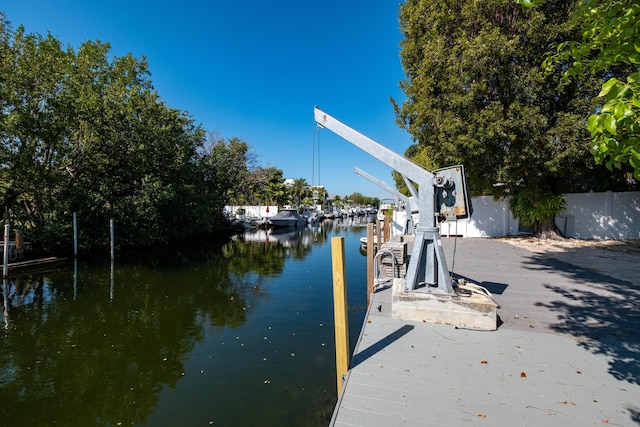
370, 255
340, 309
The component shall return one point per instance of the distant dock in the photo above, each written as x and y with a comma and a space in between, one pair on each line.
567, 351
34, 264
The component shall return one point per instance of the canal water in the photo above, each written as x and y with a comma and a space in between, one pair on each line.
233, 333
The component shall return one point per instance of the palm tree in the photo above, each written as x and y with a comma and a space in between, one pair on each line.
299, 190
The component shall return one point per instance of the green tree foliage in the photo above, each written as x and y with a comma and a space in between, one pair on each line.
319, 195
362, 200
226, 165
80, 132
534, 208
239, 181
609, 37
276, 190
299, 191
266, 187
476, 95
616, 128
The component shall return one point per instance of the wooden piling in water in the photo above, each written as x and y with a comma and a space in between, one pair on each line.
340, 309
5, 262
19, 244
387, 230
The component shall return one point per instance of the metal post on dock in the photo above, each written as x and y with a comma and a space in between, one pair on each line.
340, 309
5, 262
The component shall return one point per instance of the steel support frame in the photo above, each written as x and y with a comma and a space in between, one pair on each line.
428, 265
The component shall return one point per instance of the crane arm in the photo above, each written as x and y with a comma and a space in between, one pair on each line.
386, 187
403, 165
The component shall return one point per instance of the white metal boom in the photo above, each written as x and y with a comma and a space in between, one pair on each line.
427, 265
409, 203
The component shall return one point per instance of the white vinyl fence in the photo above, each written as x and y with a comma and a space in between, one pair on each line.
599, 216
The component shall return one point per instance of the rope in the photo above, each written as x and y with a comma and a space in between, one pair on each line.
319, 155
455, 247
313, 154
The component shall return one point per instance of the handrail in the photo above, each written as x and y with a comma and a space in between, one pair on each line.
377, 281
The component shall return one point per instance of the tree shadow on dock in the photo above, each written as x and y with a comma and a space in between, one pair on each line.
602, 312
380, 345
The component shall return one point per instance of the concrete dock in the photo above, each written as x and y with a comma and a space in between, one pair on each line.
566, 352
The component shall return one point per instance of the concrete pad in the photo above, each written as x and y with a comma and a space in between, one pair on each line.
469, 312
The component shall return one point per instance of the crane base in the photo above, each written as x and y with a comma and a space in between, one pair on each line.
476, 311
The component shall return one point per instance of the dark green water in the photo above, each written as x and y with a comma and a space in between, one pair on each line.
231, 334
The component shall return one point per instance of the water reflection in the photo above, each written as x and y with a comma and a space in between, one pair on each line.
288, 237
5, 303
183, 337
104, 360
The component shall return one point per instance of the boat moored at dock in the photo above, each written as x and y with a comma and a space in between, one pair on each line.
287, 218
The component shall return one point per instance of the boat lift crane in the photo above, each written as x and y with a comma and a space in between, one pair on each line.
427, 292
445, 187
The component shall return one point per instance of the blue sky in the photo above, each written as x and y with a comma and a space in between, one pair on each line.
255, 69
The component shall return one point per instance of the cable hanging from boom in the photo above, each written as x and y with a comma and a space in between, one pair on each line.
313, 156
